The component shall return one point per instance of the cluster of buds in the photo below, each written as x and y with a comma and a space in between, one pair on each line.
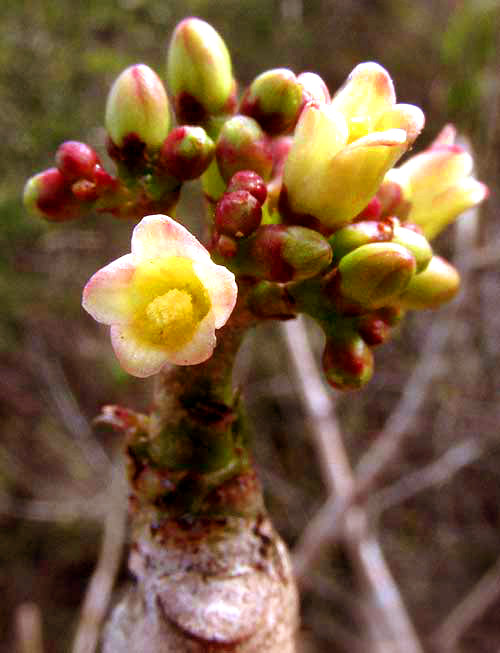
73, 187
303, 204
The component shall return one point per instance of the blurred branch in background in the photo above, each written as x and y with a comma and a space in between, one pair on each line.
471, 607
98, 595
29, 629
389, 627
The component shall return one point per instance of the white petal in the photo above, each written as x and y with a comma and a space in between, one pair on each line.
136, 357
221, 287
157, 236
105, 295
200, 347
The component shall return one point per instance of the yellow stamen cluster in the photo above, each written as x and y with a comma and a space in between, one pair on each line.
169, 301
171, 318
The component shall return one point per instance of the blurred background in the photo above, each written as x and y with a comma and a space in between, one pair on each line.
57, 61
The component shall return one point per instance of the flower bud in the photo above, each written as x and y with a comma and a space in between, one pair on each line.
137, 109
271, 300
391, 315
274, 100
375, 273
373, 329
391, 196
342, 150
372, 210
436, 285
199, 72
313, 88
289, 253
438, 186
85, 190
238, 214
227, 246
347, 362
76, 160
355, 235
48, 195
415, 243
187, 152
242, 145
250, 181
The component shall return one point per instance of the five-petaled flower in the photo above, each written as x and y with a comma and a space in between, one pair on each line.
164, 300
342, 150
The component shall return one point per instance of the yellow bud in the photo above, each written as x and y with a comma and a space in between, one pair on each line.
435, 286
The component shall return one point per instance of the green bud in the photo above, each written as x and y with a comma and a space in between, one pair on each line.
288, 253
415, 243
242, 145
274, 99
187, 152
271, 300
355, 235
199, 72
374, 274
347, 362
436, 285
137, 108
307, 251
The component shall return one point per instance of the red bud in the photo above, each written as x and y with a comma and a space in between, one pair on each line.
250, 181
76, 160
238, 214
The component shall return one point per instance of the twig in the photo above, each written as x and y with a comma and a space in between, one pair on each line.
320, 407
99, 590
59, 391
438, 472
29, 628
52, 511
362, 545
475, 604
326, 526
377, 459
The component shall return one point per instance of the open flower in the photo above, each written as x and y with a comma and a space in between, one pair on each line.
437, 184
342, 150
164, 300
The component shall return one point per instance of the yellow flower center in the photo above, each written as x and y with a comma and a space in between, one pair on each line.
171, 317
169, 301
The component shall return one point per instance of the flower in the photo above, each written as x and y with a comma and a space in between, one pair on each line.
164, 300
438, 184
342, 150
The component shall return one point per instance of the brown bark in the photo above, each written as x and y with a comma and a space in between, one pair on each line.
220, 586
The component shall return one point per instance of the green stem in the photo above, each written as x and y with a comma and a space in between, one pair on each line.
196, 437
